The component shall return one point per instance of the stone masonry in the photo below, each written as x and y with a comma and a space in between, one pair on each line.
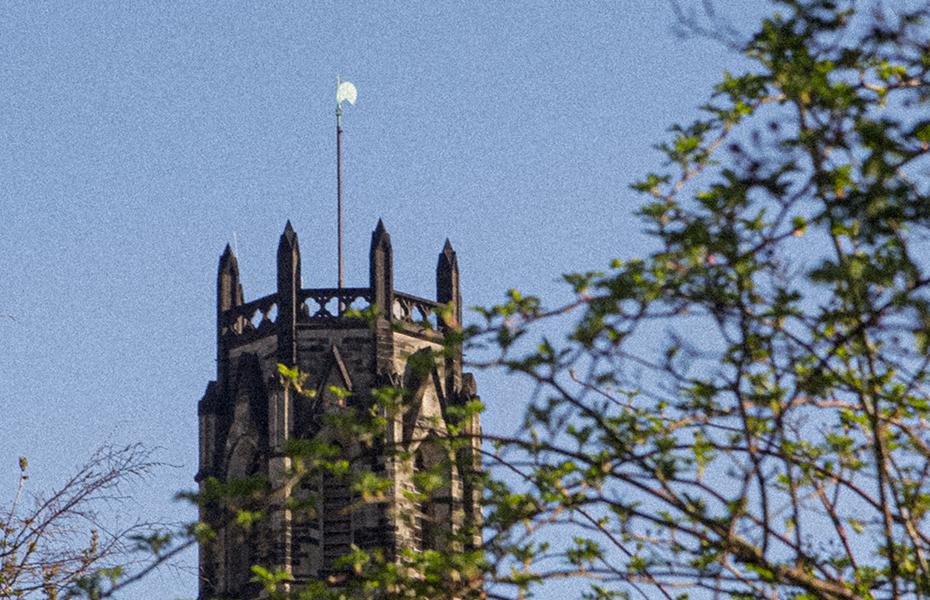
247, 416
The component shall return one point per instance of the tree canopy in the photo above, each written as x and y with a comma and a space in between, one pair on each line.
741, 412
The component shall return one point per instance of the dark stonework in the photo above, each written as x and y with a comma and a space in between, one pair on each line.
246, 416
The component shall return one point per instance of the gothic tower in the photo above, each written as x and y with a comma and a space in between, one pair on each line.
247, 415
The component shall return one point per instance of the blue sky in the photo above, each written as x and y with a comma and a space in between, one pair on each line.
137, 139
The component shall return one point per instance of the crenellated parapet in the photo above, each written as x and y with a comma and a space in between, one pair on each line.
292, 307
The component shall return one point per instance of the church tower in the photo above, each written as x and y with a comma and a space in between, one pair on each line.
247, 415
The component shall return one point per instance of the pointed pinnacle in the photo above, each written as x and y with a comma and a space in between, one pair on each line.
447, 256
289, 234
228, 259
380, 235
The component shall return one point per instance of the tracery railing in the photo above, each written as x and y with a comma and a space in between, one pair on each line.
255, 316
329, 303
413, 309
258, 317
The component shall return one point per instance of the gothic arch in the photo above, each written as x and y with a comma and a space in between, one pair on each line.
433, 508
241, 463
244, 453
426, 404
242, 460
309, 411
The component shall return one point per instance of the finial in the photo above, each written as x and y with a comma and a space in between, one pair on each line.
228, 295
447, 260
288, 292
448, 252
380, 236
289, 234
381, 269
447, 280
228, 262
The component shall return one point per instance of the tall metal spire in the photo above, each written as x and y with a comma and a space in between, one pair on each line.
345, 92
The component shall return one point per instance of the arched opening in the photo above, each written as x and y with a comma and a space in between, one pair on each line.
240, 552
336, 495
432, 511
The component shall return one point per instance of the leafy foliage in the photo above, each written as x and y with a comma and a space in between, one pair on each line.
744, 410
740, 413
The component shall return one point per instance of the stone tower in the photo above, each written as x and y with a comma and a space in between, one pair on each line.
247, 416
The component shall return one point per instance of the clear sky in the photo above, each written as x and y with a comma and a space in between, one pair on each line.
137, 139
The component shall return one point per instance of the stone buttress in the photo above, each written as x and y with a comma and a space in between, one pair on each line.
247, 416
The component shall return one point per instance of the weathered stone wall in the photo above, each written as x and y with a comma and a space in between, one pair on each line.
234, 445
355, 347
265, 349
247, 416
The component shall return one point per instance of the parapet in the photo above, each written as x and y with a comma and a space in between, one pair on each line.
292, 307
